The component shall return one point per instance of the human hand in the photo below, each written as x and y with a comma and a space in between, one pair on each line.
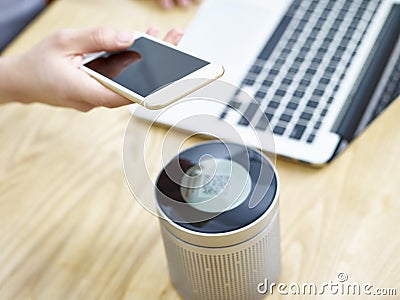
49, 72
168, 4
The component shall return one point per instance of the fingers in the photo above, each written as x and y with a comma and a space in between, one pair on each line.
184, 3
173, 36
92, 40
168, 4
81, 106
153, 31
90, 93
105, 97
93, 93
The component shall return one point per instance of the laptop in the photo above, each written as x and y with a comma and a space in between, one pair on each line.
319, 70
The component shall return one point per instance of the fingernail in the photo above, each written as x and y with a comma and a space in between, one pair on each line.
125, 37
154, 27
153, 30
185, 3
167, 4
179, 31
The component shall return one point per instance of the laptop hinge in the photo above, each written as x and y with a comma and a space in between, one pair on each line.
375, 67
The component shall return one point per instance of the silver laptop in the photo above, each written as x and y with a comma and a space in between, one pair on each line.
318, 69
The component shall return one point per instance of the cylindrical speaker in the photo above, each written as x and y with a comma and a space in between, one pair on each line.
219, 219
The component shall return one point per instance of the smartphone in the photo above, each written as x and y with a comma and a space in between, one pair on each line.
151, 72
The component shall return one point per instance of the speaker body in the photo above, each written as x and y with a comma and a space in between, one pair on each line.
225, 264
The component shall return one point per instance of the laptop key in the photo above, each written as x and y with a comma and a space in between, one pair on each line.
248, 81
279, 130
318, 92
312, 104
298, 94
311, 138
248, 114
274, 72
292, 105
280, 93
324, 80
287, 81
263, 122
298, 131
234, 104
305, 82
285, 117
273, 104
306, 116
256, 69
276, 36
260, 94
267, 83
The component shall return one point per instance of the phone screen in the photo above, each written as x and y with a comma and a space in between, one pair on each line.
146, 66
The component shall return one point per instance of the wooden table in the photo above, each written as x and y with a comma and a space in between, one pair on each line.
71, 229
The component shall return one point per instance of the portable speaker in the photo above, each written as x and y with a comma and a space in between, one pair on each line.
219, 219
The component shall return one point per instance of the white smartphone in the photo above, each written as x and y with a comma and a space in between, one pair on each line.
151, 72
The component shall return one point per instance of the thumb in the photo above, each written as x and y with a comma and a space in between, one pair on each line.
94, 39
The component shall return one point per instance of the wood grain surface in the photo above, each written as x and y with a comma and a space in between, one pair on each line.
71, 229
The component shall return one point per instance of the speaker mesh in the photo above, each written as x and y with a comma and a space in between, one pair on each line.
224, 273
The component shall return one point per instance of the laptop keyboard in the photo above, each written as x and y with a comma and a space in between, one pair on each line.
295, 77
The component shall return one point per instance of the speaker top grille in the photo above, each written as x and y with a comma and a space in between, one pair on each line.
256, 202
